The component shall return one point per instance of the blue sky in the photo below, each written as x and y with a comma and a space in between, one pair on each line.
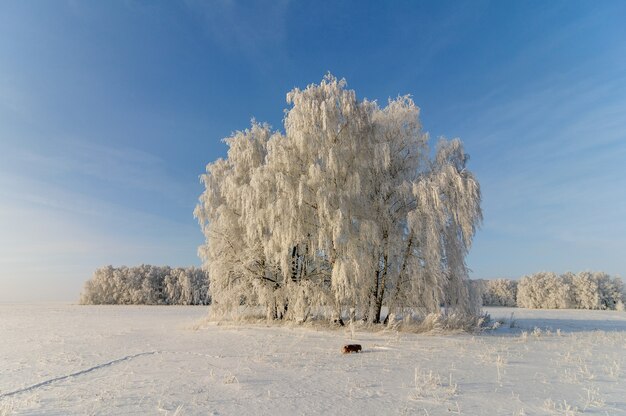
109, 112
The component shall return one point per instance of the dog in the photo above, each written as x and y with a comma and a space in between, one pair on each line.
347, 349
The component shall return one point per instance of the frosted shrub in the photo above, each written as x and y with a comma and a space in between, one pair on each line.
586, 290
500, 292
146, 284
544, 290
597, 290
344, 210
611, 291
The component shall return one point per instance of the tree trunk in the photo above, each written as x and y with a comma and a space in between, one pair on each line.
405, 261
370, 311
294, 263
381, 292
382, 282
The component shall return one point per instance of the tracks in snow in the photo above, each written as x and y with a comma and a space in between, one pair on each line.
76, 374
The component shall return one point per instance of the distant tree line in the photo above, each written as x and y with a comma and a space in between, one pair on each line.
547, 290
147, 285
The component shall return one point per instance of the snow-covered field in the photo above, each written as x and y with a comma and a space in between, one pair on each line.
70, 359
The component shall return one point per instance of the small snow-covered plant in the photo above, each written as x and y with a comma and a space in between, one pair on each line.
563, 408
230, 379
614, 369
7, 407
593, 398
179, 411
442, 323
430, 385
500, 366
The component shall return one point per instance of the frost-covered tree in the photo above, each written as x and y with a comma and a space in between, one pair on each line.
596, 290
544, 290
500, 292
233, 201
343, 211
585, 290
147, 285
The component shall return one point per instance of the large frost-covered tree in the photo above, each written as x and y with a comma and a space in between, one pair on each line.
343, 211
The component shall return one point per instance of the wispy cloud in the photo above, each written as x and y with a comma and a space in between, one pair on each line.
131, 168
548, 142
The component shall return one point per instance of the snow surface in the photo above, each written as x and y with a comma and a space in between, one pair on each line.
59, 359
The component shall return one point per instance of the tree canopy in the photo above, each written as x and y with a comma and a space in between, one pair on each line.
343, 212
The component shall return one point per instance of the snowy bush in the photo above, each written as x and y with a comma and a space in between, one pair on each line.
146, 284
585, 290
596, 290
345, 210
500, 292
544, 290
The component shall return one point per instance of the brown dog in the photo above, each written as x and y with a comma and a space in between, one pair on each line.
347, 349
